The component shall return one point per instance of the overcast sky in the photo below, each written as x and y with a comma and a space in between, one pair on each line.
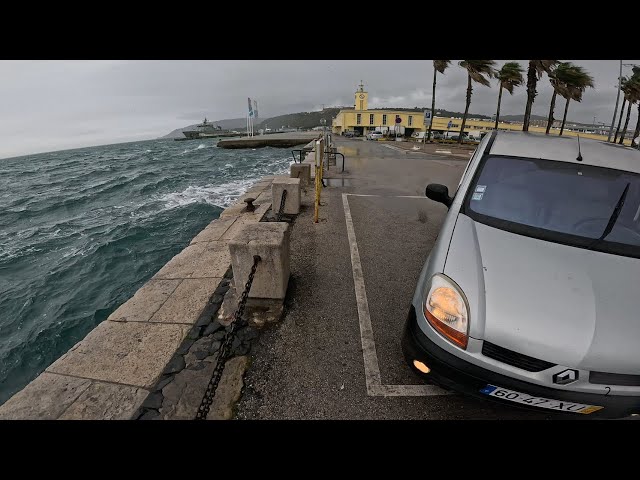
54, 105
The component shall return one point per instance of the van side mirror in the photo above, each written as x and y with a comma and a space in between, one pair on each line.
439, 193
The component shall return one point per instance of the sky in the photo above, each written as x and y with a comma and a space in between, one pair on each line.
58, 104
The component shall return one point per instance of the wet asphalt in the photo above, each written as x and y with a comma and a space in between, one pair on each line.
310, 365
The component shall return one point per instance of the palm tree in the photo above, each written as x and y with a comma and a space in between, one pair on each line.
637, 130
509, 76
558, 78
574, 85
623, 83
476, 71
438, 66
534, 73
632, 94
631, 91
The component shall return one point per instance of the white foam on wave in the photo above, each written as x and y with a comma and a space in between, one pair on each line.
147, 151
201, 146
221, 195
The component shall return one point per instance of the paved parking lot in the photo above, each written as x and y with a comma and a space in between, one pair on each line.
336, 354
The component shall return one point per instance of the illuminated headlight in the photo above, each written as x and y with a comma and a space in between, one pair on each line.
446, 310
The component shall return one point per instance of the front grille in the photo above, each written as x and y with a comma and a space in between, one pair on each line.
603, 378
515, 359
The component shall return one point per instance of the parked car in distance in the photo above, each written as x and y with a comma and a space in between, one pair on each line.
349, 133
453, 135
374, 135
529, 296
420, 136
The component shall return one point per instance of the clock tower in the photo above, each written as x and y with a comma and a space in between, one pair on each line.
362, 98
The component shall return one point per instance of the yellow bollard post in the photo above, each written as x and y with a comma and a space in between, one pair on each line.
319, 153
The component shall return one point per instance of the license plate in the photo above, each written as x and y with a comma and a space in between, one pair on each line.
541, 402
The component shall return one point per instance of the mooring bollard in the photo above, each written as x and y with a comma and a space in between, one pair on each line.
303, 172
269, 240
292, 201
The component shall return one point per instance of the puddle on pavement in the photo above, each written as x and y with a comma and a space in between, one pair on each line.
338, 182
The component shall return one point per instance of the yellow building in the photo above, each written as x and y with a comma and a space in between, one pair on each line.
362, 120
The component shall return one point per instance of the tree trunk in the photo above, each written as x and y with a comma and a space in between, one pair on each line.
637, 130
433, 102
531, 95
466, 108
553, 105
626, 124
564, 118
624, 102
499, 100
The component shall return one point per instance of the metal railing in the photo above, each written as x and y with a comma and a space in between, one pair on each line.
300, 152
319, 163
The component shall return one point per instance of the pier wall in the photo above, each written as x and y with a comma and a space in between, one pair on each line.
139, 362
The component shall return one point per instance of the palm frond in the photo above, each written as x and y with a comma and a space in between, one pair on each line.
441, 65
480, 71
510, 76
543, 66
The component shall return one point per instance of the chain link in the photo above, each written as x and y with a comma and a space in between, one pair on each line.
225, 348
282, 201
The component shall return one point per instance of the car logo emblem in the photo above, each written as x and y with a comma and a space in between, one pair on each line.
565, 377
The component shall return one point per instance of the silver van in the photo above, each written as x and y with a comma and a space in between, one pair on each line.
531, 293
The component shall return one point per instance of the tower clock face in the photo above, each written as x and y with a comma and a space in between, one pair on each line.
361, 96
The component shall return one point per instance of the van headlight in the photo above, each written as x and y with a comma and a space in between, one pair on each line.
445, 307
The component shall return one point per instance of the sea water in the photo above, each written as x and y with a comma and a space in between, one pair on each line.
81, 230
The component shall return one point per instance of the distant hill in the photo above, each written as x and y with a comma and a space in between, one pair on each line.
308, 120
229, 123
448, 113
299, 120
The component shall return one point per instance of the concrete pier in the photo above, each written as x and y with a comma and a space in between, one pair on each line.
282, 140
152, 354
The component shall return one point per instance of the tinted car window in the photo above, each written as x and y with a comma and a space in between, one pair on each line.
569, 202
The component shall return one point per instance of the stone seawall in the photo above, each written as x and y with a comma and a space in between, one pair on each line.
121, 369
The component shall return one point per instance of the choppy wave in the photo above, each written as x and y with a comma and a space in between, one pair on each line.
82, 230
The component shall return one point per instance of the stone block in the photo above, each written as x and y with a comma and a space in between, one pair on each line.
270, 240
200, 260
146, 301
187, 302
106, 401
183, 395
239, 224
131, 353
229, 389
264, 197
45, 398
214, 230
292, 202
303, 172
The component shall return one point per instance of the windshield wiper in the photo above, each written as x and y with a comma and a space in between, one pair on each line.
614, 217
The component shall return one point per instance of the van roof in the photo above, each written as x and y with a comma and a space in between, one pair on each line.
565, 149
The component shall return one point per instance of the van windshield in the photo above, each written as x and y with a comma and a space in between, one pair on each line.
574, 204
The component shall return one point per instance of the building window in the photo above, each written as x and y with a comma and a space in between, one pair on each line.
397, 117
410, 120
371, 119
358, 118
360, 104
384, 119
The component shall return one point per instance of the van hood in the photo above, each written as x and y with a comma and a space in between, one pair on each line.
562, 304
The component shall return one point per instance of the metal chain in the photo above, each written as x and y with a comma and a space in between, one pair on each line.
282, 201
225, 348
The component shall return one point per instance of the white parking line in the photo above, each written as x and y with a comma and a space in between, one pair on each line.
372, 375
